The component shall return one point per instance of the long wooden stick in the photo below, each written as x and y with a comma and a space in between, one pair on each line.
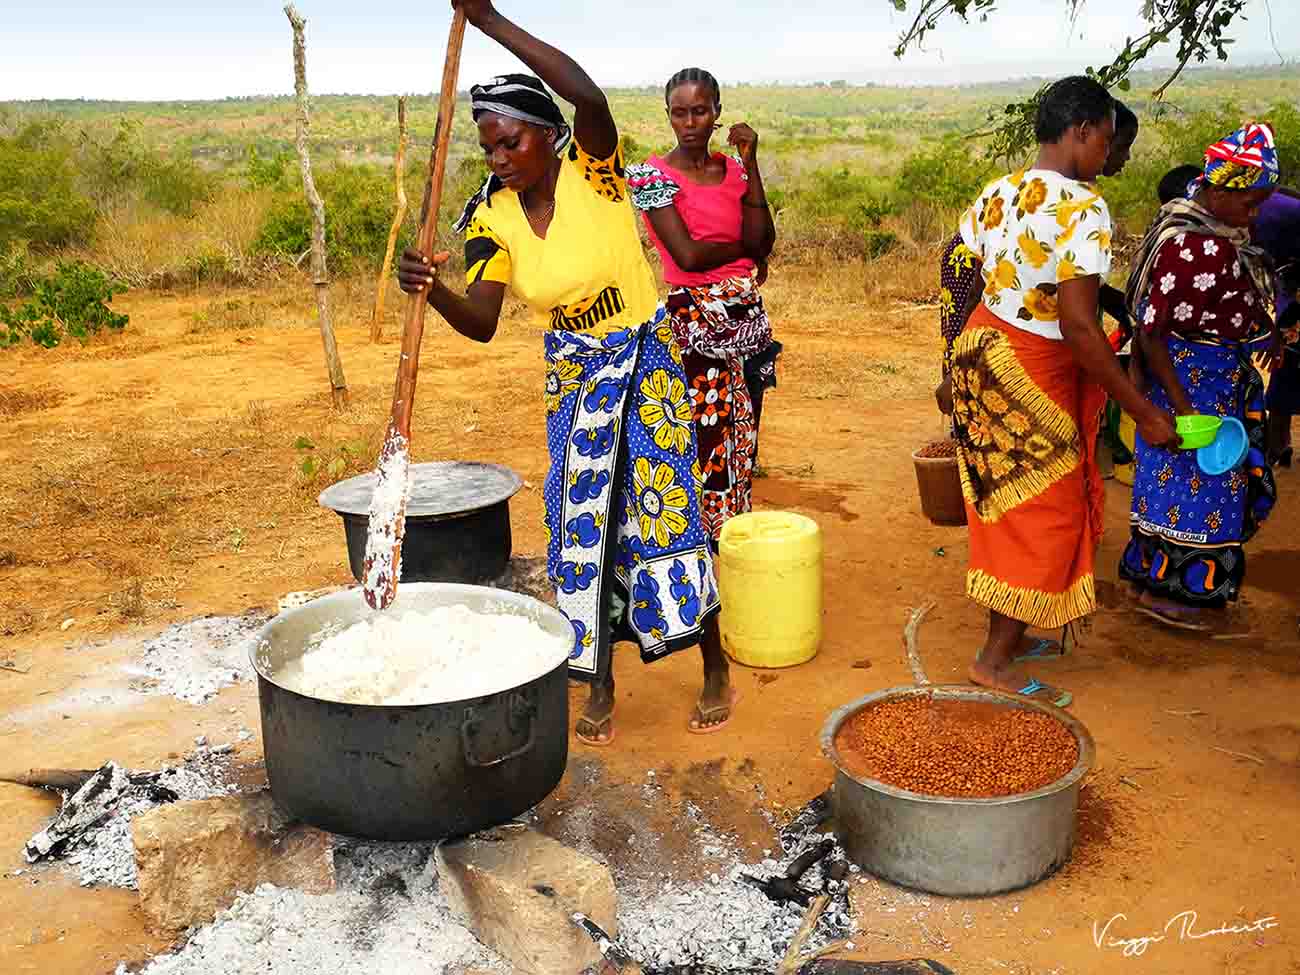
383, 564
399, 218
793, 957
910, 642
319, 274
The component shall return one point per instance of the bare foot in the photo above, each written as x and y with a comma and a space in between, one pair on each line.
711, 714
596, 726
1017, 682
716, 703
1004, 679
718, 698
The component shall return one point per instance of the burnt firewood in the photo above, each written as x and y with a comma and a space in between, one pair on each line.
67, 780
82, 811
915, 966
815, 814
50, 779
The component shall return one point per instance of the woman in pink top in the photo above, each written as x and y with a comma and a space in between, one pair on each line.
709, 219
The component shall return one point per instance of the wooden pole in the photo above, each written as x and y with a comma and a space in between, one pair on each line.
399, 166
383, 562
319, 274
792, 961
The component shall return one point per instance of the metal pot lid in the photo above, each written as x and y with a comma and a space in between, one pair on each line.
438, 489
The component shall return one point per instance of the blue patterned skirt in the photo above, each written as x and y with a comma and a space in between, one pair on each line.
626, 548
1189, 527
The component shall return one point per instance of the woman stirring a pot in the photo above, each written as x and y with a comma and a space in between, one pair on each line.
626, 547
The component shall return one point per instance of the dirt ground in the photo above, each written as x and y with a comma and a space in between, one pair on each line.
159, 476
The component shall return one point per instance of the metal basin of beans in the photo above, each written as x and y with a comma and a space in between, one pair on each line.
956, 790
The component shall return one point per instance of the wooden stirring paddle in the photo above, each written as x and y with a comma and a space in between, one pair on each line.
383, 565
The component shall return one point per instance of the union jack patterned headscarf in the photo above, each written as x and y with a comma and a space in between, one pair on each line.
1245, 160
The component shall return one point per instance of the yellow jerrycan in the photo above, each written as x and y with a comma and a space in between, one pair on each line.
1124, 473
770, 583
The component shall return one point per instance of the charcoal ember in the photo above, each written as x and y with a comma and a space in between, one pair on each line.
808, 820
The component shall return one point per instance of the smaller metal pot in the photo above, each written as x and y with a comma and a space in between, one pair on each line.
956, 847
457, 521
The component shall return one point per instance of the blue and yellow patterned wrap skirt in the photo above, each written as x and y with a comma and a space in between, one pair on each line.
626, 548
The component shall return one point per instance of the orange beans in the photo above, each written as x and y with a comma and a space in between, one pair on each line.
940, 448
956, 748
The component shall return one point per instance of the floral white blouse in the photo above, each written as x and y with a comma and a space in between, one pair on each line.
1032, 230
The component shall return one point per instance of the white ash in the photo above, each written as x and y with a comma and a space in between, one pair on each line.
386, 916
193, 661
725, 922
104, 855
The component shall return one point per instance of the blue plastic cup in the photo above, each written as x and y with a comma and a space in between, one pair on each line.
1227, 450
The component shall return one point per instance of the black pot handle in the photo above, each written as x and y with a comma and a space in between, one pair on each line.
521, 709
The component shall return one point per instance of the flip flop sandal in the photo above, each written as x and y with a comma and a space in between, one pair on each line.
1045, 692
596, 742
1042, 649
702, 715
1171, 620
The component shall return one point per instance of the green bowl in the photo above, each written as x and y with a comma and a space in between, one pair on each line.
1198, 431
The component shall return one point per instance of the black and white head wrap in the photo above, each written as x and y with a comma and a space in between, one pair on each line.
521, 97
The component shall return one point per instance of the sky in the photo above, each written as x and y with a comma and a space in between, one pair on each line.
129, 49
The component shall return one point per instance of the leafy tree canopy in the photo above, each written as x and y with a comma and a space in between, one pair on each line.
1198, 27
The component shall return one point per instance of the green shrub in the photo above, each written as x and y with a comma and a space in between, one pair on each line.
947, 174
40, 202
17, 275
359, 205
266, 171
844, 197
72, 301
880, 242
121, 167
462, 183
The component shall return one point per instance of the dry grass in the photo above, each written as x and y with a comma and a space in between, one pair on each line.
226, 315
130, 516
16, 402
145, 247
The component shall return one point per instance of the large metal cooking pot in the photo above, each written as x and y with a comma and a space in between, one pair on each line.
956, 847
457, 520
421, 772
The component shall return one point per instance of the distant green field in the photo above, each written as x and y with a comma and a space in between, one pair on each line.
160, 192
815, 119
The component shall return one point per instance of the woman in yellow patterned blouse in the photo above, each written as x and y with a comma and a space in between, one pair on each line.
626, 549
1028, 374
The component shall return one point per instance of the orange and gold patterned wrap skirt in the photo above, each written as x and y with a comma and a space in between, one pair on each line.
1027, 418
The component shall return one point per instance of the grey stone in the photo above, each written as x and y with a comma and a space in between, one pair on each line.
192, 858
517, 891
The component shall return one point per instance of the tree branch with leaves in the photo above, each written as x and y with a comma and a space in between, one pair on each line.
1199, 27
